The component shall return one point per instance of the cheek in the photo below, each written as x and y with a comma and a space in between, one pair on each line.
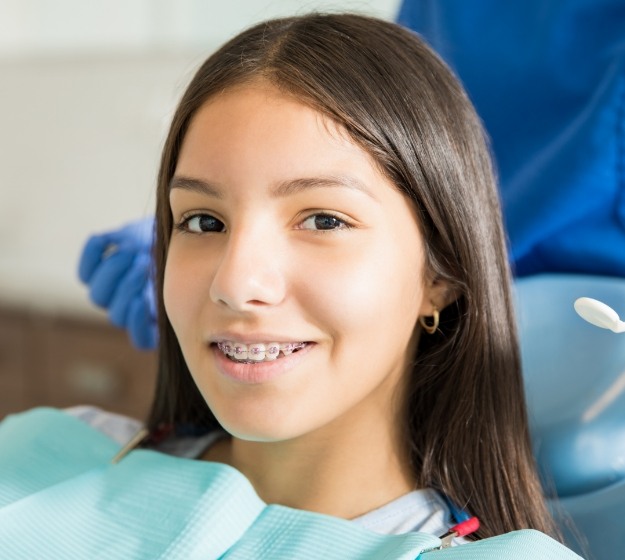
372, 292
180, 290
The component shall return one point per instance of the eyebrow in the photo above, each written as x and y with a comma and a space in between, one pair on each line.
194, 185
280, 190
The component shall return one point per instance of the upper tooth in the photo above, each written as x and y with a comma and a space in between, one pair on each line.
289, 347
240, 351
272, 350
256, 352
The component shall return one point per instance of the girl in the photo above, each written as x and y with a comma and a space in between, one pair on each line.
333, 296
332, 282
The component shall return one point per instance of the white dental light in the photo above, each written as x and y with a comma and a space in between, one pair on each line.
599, 314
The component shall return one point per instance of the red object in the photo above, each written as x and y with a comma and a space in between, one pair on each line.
466, 527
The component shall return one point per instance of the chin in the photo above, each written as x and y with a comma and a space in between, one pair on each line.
269, 434
263, 427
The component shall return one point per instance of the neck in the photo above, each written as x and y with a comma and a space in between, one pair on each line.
344, 469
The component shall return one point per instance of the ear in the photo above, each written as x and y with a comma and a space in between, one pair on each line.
438, 294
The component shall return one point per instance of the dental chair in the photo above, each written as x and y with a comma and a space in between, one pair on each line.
575, 384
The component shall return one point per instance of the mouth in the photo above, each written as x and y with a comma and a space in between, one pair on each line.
258, 352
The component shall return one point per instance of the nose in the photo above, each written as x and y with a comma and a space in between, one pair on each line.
249, 274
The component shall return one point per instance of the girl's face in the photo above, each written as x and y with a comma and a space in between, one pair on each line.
286, 233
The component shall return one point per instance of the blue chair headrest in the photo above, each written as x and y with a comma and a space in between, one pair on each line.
575, 382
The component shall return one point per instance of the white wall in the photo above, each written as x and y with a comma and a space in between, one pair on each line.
87, 90
63, 26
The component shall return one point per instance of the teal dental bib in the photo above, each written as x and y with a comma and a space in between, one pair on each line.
61, 498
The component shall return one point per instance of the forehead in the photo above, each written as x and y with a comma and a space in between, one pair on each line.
257, 128
236, 110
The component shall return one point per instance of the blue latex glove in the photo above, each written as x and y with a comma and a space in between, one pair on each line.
117, 268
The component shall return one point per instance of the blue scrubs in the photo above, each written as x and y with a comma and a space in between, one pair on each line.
548, 79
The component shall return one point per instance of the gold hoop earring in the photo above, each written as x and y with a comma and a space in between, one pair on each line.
430, 329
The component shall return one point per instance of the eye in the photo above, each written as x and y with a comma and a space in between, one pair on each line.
324, 222
202, 223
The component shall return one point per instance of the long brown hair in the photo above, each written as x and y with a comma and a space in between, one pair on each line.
465, 421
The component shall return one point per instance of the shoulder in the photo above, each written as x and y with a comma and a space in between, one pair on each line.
121, 428
118, 427
423, 511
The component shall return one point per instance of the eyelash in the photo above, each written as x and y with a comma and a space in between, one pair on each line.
183, 225
343, 223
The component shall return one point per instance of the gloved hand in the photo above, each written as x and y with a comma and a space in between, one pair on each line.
117, 267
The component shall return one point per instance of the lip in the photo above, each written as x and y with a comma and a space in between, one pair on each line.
260, 372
